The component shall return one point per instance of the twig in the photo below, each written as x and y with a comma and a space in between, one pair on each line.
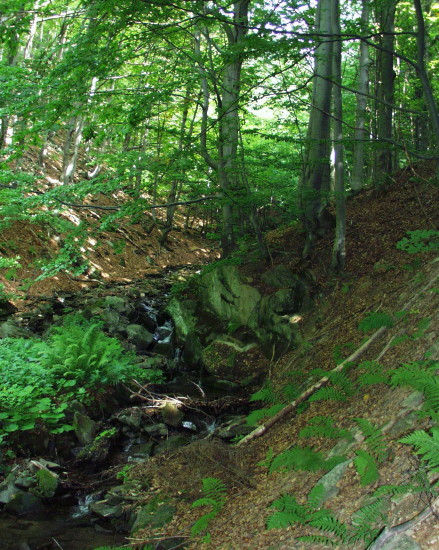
57, 543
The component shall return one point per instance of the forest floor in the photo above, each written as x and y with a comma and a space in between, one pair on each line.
378, 277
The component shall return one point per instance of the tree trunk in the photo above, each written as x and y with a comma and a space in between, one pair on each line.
360, 135
314, 184
385, 90
422, 73
339, 250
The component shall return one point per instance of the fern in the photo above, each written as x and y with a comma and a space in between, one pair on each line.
374, 438
374, 374
266, 394
322, 426
421, 375
305, 459
398, 490
375, 320
427, 446
420, 240
366, 467
258, 415
367, 521
215, 495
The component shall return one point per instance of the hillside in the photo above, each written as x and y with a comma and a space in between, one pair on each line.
379, 278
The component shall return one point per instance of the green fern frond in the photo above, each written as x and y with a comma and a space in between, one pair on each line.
215, 495
325, 520
427, 446
290, 392
374, 438
366, 467
305, 459
367, 521
398, 490
316, 496
375, 320
266, 463
328, 394
370, 379
259, 415
266, 394
288, 512
322, 426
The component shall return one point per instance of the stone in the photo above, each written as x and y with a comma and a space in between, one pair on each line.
47, 483
171, 443
8, 489
85, 428
107, 508
153, 516
400, 542
182, 313
156, 430
331, 479
133, 418
10, 329
171, 414
117, 303
139, 336
280, 277
236, 426
142, 450
24, 504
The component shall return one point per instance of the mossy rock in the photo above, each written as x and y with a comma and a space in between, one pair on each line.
47, 483
154, 515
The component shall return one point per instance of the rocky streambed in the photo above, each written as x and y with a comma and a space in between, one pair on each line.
71, 490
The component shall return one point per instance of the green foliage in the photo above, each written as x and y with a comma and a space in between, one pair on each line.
215, 496
373, 374
366, 467
366, 522
259, 415
426, 445
266, 394
39, 378
374, 438
341, 387
322, 426
304, 458
422, 376
421, 240
375, 320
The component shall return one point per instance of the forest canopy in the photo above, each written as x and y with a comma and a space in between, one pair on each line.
251, 113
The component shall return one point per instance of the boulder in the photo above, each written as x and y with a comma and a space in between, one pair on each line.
24, 504
85, 428
171, 443
139, 336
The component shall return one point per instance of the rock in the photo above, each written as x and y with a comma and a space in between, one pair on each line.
156, 430
108, 508
25, 480
139, 336
24, 503
6, 309
165, 347
85, 428
331, 479
171, 414
400, 542
117, 303
280, 277
182, 312
11, 329
235, 426
145, 315
153, 516
113, 321
142, 450
173, 442
8, 489
133, 417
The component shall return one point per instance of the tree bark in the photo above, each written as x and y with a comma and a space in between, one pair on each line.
339, 249
360, 135
314, 184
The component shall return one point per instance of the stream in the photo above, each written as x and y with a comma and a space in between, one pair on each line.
75, 518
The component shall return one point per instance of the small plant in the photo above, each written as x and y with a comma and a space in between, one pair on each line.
421, 240
305, 459
366, 463
215, 495
340, 388
375, 320
322, 426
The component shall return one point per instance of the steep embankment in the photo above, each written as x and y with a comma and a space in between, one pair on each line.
383, 287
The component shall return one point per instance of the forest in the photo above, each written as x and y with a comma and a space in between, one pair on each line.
218, 237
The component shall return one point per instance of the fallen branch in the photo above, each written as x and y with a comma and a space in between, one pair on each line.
261, 430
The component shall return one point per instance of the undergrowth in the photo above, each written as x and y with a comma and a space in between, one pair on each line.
40, 377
